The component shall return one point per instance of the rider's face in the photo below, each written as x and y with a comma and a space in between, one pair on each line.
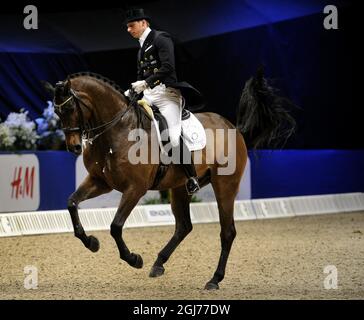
136, 28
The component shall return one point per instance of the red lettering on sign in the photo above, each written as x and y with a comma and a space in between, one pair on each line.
22, 185
29, 182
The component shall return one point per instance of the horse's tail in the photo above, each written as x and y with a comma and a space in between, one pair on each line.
262, 114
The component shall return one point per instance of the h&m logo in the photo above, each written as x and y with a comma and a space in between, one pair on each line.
23, 182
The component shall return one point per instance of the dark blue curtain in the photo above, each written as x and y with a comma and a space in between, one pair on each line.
20, 75
28, 56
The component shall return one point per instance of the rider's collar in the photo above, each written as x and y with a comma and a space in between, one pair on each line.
144, 36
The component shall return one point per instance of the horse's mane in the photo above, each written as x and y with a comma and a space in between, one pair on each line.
142, 117
97, 76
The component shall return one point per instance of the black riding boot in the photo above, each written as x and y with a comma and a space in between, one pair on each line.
188, 166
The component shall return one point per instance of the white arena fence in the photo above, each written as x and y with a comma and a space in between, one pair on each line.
58, 221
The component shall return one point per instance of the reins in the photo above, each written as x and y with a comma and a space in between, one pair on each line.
85, 132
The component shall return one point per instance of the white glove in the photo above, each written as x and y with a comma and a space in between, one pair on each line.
127, 93
139, 86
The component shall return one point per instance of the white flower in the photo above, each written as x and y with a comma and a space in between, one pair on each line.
6, 140
18, 132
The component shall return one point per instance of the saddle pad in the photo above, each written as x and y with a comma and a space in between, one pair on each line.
193, 133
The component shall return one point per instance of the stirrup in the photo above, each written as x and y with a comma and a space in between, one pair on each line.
192, 186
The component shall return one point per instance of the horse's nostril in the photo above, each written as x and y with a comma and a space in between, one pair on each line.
77, 147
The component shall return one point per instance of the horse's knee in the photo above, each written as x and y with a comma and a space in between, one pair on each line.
71, 204
115, 231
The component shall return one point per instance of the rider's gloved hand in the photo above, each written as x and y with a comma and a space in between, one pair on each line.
139, 86
127, 93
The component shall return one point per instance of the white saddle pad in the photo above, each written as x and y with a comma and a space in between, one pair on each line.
193, 133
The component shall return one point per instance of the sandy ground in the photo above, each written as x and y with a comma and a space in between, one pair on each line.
270, 259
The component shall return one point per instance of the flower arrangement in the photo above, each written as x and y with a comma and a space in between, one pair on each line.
48, 129
18, 132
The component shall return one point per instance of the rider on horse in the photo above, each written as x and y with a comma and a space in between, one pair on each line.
157, 80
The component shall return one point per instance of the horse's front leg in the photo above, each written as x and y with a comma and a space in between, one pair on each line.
128, 202
90, 187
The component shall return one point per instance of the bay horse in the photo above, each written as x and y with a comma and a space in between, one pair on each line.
89, 104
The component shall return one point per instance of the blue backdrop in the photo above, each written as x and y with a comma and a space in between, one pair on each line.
306, 172
57, 178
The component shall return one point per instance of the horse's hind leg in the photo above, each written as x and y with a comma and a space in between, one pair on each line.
90, 187
180, 203
225, 192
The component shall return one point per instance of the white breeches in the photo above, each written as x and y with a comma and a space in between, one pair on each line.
169, 103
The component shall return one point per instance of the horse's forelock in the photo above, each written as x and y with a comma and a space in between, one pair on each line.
61, 89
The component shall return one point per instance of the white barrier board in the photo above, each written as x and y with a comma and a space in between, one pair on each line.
41, 222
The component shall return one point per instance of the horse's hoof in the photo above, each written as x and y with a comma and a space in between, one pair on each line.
138, 263
156, 271
94, 245
211, 286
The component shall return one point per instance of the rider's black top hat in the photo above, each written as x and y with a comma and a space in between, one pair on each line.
135, 15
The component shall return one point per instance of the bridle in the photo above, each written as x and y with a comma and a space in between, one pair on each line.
79, 111
83, 128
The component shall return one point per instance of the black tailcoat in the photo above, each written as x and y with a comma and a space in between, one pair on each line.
156, 64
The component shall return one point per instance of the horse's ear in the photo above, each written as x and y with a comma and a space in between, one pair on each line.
67, 85
48, 87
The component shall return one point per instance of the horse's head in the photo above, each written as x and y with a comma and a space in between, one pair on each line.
67, 107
